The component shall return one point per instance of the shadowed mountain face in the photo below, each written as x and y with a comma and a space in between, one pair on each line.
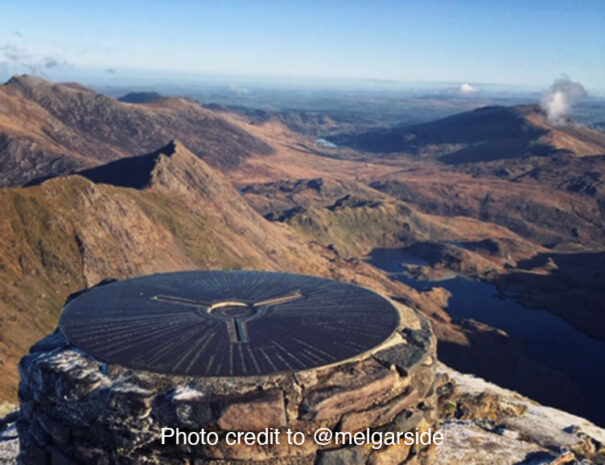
485, 134
135, 172
141, 97
132, 172
49, 129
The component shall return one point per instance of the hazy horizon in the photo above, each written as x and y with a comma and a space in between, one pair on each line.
391, 44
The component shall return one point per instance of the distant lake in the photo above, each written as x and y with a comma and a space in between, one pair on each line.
326, 143
550, 340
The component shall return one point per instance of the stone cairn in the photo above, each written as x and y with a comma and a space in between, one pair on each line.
77, 410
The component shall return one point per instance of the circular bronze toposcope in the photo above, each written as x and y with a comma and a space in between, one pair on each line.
227, 323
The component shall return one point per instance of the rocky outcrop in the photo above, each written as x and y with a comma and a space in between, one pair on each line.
484, 423
9, 439
78, 410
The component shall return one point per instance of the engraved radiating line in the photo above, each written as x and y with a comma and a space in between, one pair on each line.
231, 330
242, 360
109, 327
276, 329
288, 353
279, 300
231, 359
161, 332
284, 362
159, 314
181, 301
353, 332
349, 345
135, 315
197, 355
118, 328
309, 357
92, 335
219, 366
210, 362
159, 350
363, 326
329, 299
276, 344
127, 333
138, 346
257, 287
350, 326
262, 288
313, 348
253, 357
267, 358
222, 283
353, 322
203, 286
344, 334
241, 332
291, 310
156, 353
192, 333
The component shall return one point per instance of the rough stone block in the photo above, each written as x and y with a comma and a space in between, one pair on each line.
130, 401
392, 455
380, 415
356, 393
344, 456
77, 410
254, 412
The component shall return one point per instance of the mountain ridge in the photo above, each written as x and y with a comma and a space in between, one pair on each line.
485, 134
62, 127
69, 233
302, 207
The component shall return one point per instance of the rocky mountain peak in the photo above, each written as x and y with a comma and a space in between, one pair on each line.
26, 81
141, 171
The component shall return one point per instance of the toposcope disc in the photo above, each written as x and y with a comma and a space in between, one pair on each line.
227, 323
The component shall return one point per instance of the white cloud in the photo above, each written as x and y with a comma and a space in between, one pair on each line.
562, 96
18, 59
466, 88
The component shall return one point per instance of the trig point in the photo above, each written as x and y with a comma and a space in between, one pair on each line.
223, 352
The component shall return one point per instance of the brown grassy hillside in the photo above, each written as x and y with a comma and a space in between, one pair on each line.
70, 233
48, 129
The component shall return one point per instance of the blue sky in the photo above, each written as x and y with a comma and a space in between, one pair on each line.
527, 43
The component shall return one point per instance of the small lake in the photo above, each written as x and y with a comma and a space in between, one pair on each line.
549, 339
325, 143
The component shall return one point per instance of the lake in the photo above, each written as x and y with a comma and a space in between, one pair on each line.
550, 340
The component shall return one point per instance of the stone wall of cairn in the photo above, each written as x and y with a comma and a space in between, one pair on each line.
77, 410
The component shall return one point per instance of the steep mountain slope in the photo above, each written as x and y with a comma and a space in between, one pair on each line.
48, 129
485, 134
556, 201
327, 207
70, 232
173, 212
354, 225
